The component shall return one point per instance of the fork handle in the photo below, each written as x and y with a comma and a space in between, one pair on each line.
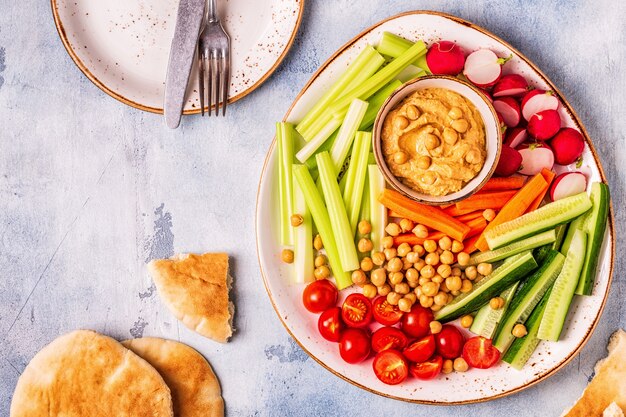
212, 11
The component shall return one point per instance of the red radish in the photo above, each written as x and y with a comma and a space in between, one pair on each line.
516, 137
509, 162
510, 85
543, 125
483, 67
567, 184
535, 157
509, 109
538, 100
568, 145
445, 57
501, 123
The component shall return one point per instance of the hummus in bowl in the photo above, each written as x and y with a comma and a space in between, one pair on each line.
437, 139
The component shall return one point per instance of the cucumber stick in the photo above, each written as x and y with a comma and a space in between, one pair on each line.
511, 270
594, 225
522, 349
541, 253
576, 224
532, 242
527, 298
544, 218
563, 289
487, 319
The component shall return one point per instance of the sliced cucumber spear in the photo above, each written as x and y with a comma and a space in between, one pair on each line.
541, 253
563, 289
514, 248
487, 319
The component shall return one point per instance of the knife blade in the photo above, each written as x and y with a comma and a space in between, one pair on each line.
186, 32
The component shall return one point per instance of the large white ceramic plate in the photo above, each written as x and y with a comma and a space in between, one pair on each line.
123, 45
475, 385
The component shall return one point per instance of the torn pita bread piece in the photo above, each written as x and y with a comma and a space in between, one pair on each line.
195, 389
84, 373
608, 385
195, 289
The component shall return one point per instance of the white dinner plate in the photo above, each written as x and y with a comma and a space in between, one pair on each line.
286, 297
123, 45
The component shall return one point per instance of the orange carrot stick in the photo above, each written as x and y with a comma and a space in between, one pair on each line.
470, 216
549, 176
431, 217
481, 201
455, 212
515, 207
514, 182
469, 244
477, 226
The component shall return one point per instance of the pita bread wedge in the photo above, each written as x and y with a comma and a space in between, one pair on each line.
608, 385
195, 389
195, 289
86, 374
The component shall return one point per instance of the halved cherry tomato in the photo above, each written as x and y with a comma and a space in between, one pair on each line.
480, 353
330, 324
416, 323
319, 296
428, 369
354, 345
385, 313
390, 367
356, 310
387, 338
449, 342
421, 350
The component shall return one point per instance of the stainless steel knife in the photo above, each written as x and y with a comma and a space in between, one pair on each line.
188, 25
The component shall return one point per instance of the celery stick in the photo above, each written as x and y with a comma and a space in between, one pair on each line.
363, 67
337, 213
347, 131
284, 137
371, 159
319, 139
394, 45
364, 214
315, 203
303, 239
355, 180
311, 163
376, 102
378, 212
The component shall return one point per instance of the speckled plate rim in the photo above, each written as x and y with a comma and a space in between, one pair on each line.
83, 68
577, 122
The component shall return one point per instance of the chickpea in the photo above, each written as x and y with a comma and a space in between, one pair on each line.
450, 136
460, 125
441, 299
406, 225
411, 296
427, 271
402, 288
450, 297
455, 113
393, 229
369, 290
387, 242
400, 157
435, 327
457, 246
431, 141
466, 286
296, 220
319, 261
423, 162
359, 277
444, 270
496, 303
463, 258
412, 257
437, 279
411, 275
390, 253
430, 289
454, 283
418, 292
287, 256
519, 330
403, 249
471, 273
322, 272
365, 227
406, 264
447, 257
365, 245
460, 365
366, 264
489, 215
466, 321
384, 290
447, 367
395, 278
393, 298
432, 259
426, 301
484, 268
455, 292
456, 271
420, 231
405, 305
430, 246
412, 112
443, 287
419, 264
423, 280
472, 156
419, 249
317, 242
445, 243
400, 122
428, 178
378, 277
378, 258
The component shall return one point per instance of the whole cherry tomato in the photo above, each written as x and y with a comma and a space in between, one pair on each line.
330, 324
416, 323
449, 342
354, 345
319, 296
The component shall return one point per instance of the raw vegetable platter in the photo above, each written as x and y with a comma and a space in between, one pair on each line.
286, 294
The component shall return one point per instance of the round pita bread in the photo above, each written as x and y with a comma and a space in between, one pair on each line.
195, 389
84, 373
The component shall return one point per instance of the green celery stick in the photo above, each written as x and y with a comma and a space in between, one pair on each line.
355, 177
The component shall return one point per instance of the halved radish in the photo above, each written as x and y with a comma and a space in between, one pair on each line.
510, 85
567, 184
483, 67
538, 100
445, 57
568, 146
509, 109
509, 162
501, 123
535, 157
543, 125
516, 137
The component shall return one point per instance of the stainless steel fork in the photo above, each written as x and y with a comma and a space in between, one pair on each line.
214, 60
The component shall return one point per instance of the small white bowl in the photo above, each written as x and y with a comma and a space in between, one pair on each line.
493, 136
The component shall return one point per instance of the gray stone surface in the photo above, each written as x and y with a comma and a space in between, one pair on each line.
91, 189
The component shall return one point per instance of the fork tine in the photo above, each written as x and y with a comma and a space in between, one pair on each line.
225, 81
218, 84
201, 80
209, 82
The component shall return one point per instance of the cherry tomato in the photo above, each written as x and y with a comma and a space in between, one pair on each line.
385, 313
356, 310
449, 342
387, 338
428, 369
416, 323
354, 345
390, 367
330, 324
478, 352
421, 350
319, 296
